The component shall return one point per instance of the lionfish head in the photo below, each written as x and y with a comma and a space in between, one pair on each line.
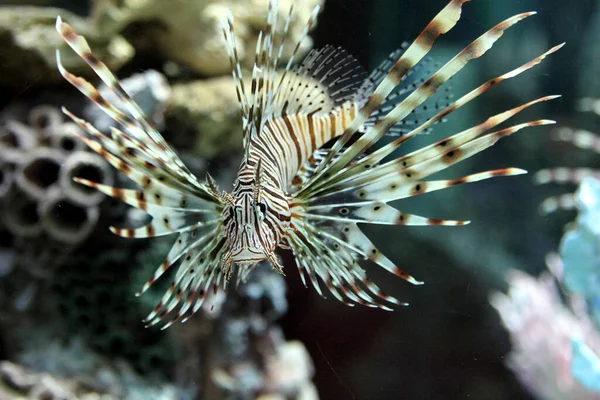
255, 218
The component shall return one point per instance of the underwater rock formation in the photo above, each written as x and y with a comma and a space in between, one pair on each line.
90, 329
6, 179
149, 89
20, 215
16, 139
251, 358
542, 331
28, 40
556, 347
206, 127
80, 164
38, 163
580, 249
72, 361
63, 219
17, 382
38, 170
103, 312
189, 32
44, 118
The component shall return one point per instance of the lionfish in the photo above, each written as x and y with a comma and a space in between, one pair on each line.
307, 178
584, 140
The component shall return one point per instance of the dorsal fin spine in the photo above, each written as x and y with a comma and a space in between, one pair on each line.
236, 70
312, 20
274, 11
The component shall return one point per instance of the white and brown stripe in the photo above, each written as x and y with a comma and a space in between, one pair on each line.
306, 180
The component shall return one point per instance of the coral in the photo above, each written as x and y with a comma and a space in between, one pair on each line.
44, 118
90, 331
43, 211
580, 249
19, 382
95, 298
289, 371
61, 135
556, 347
75, 362
190, 32
38, 162
541, 330
28, 41
38, 170
585, 366
64, 219
6, 179
20, 215
149, 90
82, 164
209, 127
251, 357
16, 139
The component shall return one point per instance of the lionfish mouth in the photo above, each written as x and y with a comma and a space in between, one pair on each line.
328, 183
249, 255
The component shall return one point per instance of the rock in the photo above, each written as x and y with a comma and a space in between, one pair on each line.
190, 32
149, 90
585, 366
19, 382
43, 157
580, 248
545, 336
29, 39
250, 356
205, 117
290, 370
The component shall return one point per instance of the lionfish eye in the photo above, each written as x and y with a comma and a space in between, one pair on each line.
262, 207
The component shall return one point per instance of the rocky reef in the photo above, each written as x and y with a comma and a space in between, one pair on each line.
70, 327
190, 32
556, 344
219, 119
39, 159
29, 42
17, 382
251, 358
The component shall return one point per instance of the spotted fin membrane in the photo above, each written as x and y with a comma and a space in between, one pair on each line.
314, 126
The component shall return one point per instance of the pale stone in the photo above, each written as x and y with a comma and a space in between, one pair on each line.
190, 32
290, 369
29, 40
208, 112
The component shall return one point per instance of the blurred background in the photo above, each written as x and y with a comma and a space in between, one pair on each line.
71, 326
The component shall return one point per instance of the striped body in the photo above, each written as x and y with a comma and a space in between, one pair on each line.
259, 218
308, 177
289, 141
